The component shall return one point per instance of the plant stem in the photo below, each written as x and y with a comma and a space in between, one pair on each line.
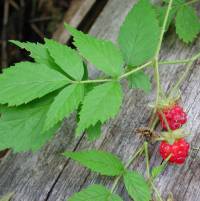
157, 192
190, 2
156, 70
165, 121
174, 62
147, 160
135, 70
137, 153
163, 28
157, 77
184, 75
115, 183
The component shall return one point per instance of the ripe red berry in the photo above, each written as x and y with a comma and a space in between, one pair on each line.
174, 115
178, 150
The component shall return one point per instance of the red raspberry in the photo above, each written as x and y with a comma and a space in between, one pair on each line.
174, 115
178, 150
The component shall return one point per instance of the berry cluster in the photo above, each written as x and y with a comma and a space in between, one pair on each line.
172, 117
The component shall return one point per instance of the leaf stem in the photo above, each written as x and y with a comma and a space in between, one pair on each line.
115, 183
137, 153
157, 77
157, 192
184, 75
135, 70
190, 2
175, 62
147, 160
163, 28
165, 121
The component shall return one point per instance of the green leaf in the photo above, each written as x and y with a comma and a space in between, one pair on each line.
94, 132
187, 24
27, 81
139, 34
21, 127
157, 170
102, 162
95, 193
100, 104
137, 187
64, 104
140, 80
67, 58
7, 197
38, 52
161, 11
103, 54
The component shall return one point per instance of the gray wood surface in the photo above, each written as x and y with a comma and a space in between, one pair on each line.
48, 176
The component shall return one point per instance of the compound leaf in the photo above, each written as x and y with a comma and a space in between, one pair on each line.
187, 24
139, 34
140, 80
64, 104
102, 162
66, 58
100, 104
94, 132
103, 54
21, 127
137, 187
38, 52
95, 193
27, 81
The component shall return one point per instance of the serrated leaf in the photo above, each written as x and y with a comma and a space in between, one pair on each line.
103, 54
27, 81
21, 127
94, 132
140, 80
38, 52
161, 11
7, 197
137, 187
100, 104
187, 24
67, 58
95, 193
102, 162
139, 34
64, 104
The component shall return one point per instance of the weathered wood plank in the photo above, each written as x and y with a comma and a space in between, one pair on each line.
76, 13
48, 176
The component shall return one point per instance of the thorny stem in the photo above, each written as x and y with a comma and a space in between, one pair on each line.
137, 153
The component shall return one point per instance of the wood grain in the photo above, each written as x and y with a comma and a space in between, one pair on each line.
74, 15
48, 176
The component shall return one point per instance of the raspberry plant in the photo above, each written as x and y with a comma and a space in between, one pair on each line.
36, 96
